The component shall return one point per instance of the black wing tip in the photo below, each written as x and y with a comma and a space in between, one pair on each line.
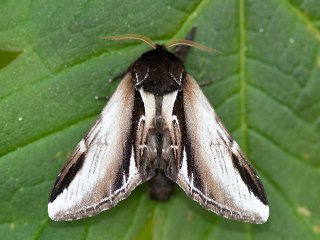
64, 181
254, 185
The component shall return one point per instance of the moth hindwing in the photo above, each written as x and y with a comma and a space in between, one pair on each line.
158, 125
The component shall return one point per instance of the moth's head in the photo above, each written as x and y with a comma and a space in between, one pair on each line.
158, 70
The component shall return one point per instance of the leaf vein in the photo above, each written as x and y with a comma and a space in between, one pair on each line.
291, 205
279, 146
242, 76
279, 102
303, 17
41, 228
48, 134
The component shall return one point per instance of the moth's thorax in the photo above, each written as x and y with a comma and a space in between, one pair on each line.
158, 71
157, 142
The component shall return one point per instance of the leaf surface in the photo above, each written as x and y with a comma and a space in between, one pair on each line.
266, 82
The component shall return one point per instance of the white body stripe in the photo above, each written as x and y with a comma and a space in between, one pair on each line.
149, 106
167, 106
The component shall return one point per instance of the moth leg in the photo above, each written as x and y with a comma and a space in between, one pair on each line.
118, 76
181, 51
115, 78
104, 98
205, 83
160, 187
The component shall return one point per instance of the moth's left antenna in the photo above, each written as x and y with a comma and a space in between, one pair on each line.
133, 37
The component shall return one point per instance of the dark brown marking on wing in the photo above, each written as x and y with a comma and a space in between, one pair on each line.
249, 177
65, 179
193, 171
138, 111
125, 164
178, 111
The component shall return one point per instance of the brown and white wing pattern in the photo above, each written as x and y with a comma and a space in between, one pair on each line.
103, 169
213, 170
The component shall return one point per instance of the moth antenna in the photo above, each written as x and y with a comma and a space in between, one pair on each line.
191, 44
133, 37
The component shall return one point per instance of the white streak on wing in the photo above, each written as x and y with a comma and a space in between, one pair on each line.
184, 166
191, 183
142, 118
132, 168
174, 118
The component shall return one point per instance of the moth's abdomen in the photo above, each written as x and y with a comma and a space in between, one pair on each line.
160, 187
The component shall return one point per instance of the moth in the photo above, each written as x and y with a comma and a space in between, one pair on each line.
159, 126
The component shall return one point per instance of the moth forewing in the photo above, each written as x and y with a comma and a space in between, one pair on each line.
214, 171
102, 171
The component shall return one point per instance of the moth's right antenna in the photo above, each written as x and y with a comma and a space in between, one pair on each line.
191, 44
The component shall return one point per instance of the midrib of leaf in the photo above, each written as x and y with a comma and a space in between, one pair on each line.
282, 193
187, 21
242, 78
244, 126
243, 87
243, 117
133, 220
41, 229
87, 229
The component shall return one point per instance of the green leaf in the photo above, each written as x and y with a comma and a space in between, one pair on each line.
266, 82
